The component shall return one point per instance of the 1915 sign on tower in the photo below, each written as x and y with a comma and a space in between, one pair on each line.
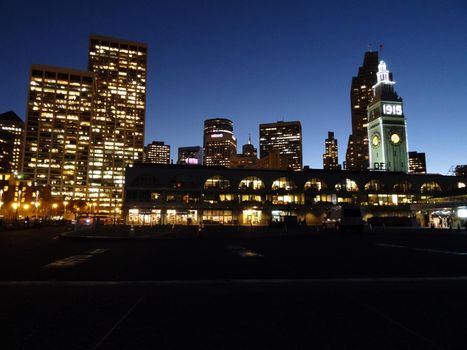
387, 128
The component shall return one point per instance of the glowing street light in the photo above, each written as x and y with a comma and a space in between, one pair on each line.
65, 203
36, 203
17, 204
1, 198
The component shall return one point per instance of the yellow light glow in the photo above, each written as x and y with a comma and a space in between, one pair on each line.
395, 138
55, 205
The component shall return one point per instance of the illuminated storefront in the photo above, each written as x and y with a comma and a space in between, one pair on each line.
144, 217
251, 217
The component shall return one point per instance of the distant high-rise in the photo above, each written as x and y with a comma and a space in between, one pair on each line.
387, 128
157, 153
58, 130
11, 142
192, 155
330, 156
248, 157
117, 138
361, 94
219, 142
285, 137
417, 163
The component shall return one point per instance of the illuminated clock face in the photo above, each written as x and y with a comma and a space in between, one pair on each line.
375, 140
395, 138
392, 109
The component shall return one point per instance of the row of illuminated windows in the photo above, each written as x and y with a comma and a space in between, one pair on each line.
191, 198
255, 183
300, 199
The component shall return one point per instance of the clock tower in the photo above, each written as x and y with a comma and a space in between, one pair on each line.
387, 128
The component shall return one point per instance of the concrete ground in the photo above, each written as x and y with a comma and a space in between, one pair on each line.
397, 289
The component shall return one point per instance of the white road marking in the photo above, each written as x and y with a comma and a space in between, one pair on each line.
428, 250
244, 252
396, 323
439, 251
125, 315
75, 259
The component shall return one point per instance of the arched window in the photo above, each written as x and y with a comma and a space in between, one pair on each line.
252, 183
347, 185
315, 185
403, 187
283, 183
217, 182
374, 186
430, 187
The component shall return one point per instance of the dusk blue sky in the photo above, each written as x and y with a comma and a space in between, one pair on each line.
259, 62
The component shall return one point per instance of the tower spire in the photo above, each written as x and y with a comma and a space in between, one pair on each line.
383, 75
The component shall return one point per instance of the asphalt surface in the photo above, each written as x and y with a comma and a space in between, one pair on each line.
398, 289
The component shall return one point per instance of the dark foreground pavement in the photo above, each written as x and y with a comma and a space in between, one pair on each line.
388, 290
247, 320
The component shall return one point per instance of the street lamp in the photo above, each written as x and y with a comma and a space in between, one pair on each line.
65, 203
15, 207
36, 203
1, 199
54, 207
18, 204
115, 195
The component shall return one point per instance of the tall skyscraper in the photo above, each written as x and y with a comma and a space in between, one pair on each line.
117, 138
330, 156
361, 94
417, 163
192, 155
387, 127
219, 142
157, 153
58, 129
285, 137
11, 142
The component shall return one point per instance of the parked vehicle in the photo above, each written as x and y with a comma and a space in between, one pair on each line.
344, 217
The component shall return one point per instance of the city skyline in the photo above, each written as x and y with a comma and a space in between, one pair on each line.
254, 69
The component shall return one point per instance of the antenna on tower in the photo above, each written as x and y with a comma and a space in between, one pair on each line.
369, 46
381, 47
249, 138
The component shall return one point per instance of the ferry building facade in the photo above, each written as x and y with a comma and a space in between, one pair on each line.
163, 194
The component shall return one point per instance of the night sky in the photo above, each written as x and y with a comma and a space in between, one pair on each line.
260, 61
